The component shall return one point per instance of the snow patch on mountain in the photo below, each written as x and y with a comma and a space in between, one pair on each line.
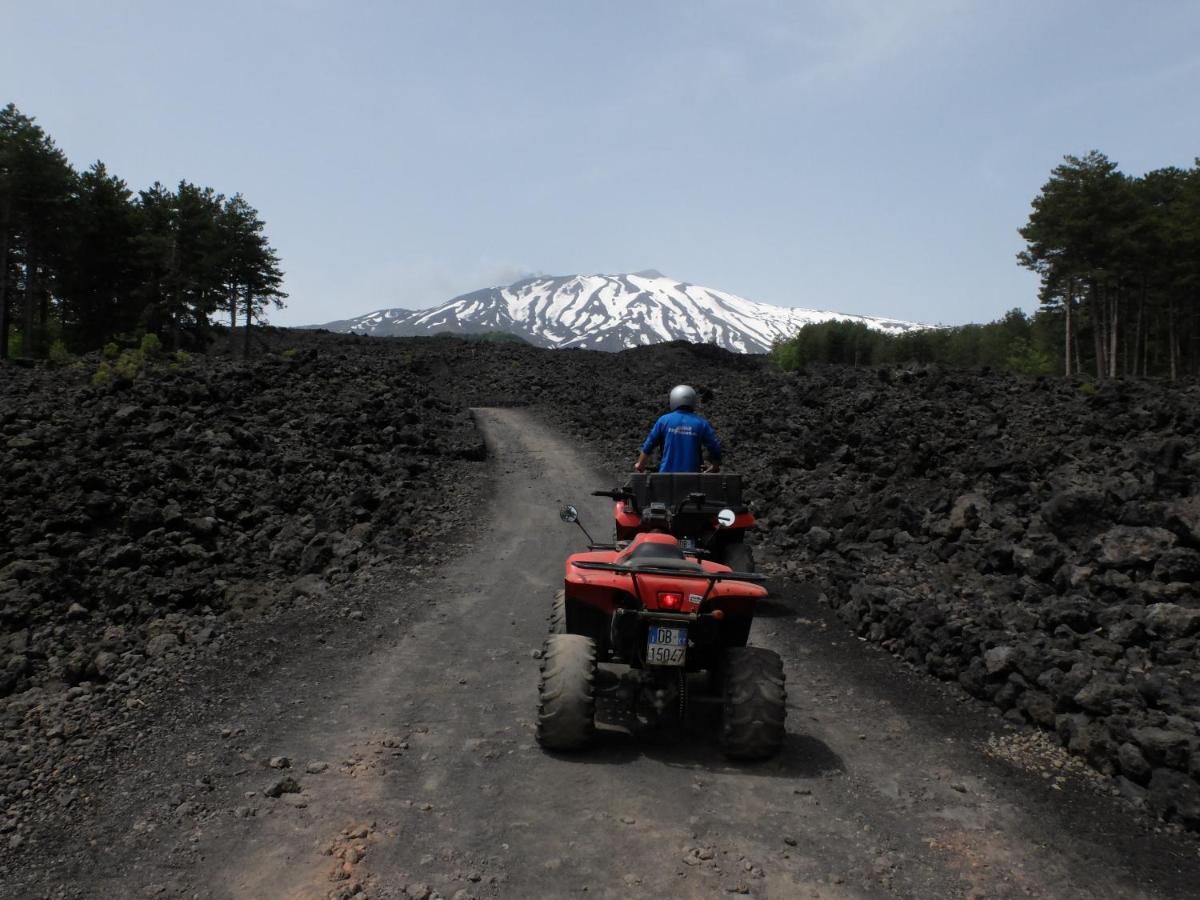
609, 312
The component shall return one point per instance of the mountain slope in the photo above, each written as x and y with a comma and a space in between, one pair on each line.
608, 312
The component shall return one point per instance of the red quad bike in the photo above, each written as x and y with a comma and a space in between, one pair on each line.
634, 620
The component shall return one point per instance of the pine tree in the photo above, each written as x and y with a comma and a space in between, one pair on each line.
36, 185
7, 188
99, 284
199, 253
82, 251
1080, 242
155, 247
252, 277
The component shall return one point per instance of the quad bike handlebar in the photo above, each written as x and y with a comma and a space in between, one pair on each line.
615, 494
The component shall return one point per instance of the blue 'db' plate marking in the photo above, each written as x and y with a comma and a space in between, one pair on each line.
678, 635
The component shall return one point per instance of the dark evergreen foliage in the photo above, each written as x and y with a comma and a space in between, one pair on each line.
1017, 342
84, 261
1119, 261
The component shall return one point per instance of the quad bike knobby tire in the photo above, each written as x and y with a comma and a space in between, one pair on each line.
739, 557
566, 692
755, 703
558, 614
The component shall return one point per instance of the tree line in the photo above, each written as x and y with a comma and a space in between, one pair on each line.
84, 260
1017, 342
1119, 263
1118, 259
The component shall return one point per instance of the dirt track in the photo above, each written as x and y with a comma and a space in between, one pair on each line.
885, 786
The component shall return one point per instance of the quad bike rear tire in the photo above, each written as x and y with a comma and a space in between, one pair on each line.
755, 703
558, 614
566, 692
739, 557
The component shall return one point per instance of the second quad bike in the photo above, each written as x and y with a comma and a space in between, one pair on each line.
635, 619
688, 506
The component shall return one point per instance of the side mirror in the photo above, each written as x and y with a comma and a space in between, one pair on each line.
726, 517
570, 515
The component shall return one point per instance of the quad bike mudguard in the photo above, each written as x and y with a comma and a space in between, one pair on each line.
614, 596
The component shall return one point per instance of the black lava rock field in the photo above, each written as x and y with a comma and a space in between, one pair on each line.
143, 519
1036, 541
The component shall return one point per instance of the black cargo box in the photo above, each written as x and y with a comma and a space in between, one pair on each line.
719, 490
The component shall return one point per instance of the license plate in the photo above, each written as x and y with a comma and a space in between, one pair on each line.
666, 645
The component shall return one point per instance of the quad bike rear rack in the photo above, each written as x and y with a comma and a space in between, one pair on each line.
711, 577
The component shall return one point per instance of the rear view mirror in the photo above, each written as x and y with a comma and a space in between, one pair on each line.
726, 517
570, 515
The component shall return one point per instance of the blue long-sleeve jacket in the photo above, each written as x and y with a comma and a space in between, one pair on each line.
681, 434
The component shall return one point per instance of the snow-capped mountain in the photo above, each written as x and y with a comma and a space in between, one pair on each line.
608, 312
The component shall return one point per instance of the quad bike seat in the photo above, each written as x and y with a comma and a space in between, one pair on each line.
661, 556
719, 489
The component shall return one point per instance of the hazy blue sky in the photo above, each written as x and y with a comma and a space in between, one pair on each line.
871, 157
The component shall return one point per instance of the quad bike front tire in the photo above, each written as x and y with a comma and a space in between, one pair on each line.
566, 692
558, 614
755, 703
739, 557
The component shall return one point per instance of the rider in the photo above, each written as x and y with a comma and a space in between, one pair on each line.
681, 432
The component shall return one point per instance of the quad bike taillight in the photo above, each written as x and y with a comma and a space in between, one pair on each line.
670, 599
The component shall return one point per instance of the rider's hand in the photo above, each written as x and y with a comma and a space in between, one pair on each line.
639, 466
712, 468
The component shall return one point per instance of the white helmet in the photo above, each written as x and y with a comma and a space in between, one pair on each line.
682, 395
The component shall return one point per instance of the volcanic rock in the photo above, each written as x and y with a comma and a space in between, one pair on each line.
1125, 546
1163, 746
161, 644
1170, 620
